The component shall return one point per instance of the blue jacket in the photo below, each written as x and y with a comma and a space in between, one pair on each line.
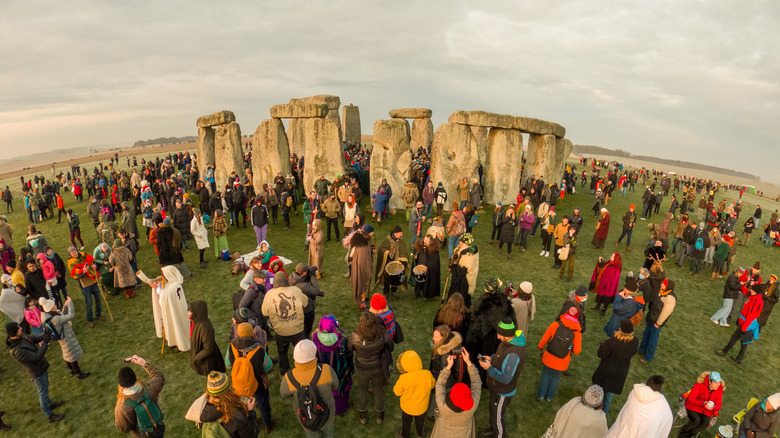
623, 309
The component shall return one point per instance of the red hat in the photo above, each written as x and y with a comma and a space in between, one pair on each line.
633, 206
460, 398
378, 302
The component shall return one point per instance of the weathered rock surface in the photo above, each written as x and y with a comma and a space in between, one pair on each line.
270, 153
480, 134
296, 136
482, 118
323, 151
422, 133
228, 154
411, 113
218, 118
543, 158
333, 102
350, 115
563, 150
502, 165
299, 111
454, 156
536, 126
205, 148
391, 157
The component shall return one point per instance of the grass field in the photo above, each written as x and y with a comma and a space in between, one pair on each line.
685, 349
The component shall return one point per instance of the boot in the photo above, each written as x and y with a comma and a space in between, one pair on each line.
362, 416
380, 417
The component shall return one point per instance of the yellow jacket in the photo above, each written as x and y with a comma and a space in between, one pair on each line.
414, 385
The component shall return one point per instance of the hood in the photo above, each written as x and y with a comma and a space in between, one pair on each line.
454, 341
10, 344
199, 309
275, 260
266, 244
568, 322
244, 344
645, 394
280, 280
172, 274
409, 362
42, 257
519, 339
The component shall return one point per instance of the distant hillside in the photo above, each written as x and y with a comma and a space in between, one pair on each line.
595, 151
164, 140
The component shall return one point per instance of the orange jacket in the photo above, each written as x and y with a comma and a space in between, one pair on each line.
60, 204
557, 363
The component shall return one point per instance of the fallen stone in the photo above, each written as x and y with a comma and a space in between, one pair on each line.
536, 126
411, 113
350, 115
299, 111
270, 153
422, 134
205, 149
481, 118
391, 158
454, 156
502, 165
228, 152
324, 154
218, 118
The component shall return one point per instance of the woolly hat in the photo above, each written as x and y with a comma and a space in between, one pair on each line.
305, 351
11, 329
633, 207
245, 330
126, 377
631, 284
460, 398
378, 302
397, 229
593, 396
581, 291
668, 285
241, 315
506, 328
771, 278
498, 204
757, 267
45, 304
217, 382
626, 326
526, 287
368, 229
774, 400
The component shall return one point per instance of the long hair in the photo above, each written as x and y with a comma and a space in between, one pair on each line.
453, 313
227, 402
445, 332
370, 327
120, 395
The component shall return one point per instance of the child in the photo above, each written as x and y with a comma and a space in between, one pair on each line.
414, 388
31, 314
49, 274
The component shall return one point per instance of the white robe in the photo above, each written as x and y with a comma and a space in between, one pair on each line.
169, 308
646, 414
12, 304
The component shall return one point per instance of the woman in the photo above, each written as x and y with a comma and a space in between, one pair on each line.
316, 246
128, 219
225, 408
454, 315
436, 230
498, 220
132, 388
458, 404
59, 323
548, 226
380, 205
205, 356
361, 256
265, 253
507, 231
569, 241
371, 345
351, 212
124, 277
332, 349
201, 235
181, 221
468, 214
527, 220
602, 229
606, 280
523, 304
580, 417
426, 253
445, 343
703, 403
6, 254
598, 199
771, 297
35, 241
615, 354
220, 233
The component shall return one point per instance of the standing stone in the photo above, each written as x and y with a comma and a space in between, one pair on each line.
422, 134
564, 147
205, 149
454, 156
270, 153
295, 136
391, 157
502, 165
543, 158
333, 103
350, 115
324, 154
228, 152
480, 134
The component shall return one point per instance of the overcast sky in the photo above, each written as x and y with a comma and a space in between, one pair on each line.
693, 80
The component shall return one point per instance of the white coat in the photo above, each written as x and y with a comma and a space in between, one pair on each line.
646, 414
199, 231
169, 306
12, 304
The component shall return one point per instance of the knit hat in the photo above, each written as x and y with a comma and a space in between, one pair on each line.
593, 396
506, 328
126, 377
771, 278
526, 287
757, 267
217, 382
633, 207
397, 229
305, 351
668, 285
241, 315
368, 229
498, 204
46, 304
245, 330
378, 302
626, 326
631, 284
774, 400
460, 398
581, 291
11, 329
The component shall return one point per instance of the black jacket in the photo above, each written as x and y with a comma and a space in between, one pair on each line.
259, 215
615, 358
311, 289
204, 352
36, 284
368, 354
731, 289
25, 350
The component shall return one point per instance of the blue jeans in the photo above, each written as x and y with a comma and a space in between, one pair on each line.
463, 204
42, 383
721, 316
427, 210
627, 234
548, 385
606, 401
89, 292
677, 240
646, 209
453, 242
536, 224
649, 341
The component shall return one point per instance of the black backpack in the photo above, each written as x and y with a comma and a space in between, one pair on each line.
313, 413
561, 342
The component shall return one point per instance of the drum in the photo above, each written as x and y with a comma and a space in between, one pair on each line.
396, 275
420, 273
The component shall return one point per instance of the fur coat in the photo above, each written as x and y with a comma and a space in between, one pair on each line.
120, 258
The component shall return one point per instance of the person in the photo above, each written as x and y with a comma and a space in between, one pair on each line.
506, 230
526, 222
303, 279
761, 420
458, 403
350, 212
219, 229
428, 197
615, 355
332, 349
309, 371
503, 370
605, 281
497, 222
11, 301
251, 381
570, 241
547, 222
205, 356
74, 227
559, 233
440, 196
646, 413
446, 343
464, 268
747, 325
35, 282
169, 308
702, 403
561, 340
30, 352
416, 219
771, 297
259, 219
223, 407
35, 241
8, 197
661, 309
454, 314
372, 347
629, 221
283, 306
122, 270
59, 322
602, 229
167, 244
201, 235
426, 253
413, 387
133, 389
361, 256
625, 306
730, 293
82, 268
392, 248
331, 208
747, 231
581, 417
316, 246
456, 227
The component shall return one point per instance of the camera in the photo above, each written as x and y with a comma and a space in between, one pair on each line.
128, 359
456, 351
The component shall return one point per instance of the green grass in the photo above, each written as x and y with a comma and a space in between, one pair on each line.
685, 349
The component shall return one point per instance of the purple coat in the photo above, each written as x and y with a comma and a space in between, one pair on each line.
527, 220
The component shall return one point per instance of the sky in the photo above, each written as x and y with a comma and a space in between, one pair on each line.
689, 80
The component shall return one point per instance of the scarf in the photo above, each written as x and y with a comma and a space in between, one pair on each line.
133, 390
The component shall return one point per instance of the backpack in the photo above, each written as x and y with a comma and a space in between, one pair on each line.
561, 342
460, 227
473, 221
55, 335
237, 199
243, 374
213, 429
148, 414
699, 245
312, 412
409, 197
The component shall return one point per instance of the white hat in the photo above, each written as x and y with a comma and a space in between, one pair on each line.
304, 351
526, 287
5, 278
47, 305
774, 400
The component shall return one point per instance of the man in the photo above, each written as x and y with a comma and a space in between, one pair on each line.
259, 216
657, 316
730, 293
83, 269
648, 198
463, 188
761, 420
688, 241
74, 226
239, 204
26, 351
575, 219
629, 220
503, 369
747, 280
646, 413
409, 194
416, 219
167, 244
331, 208
125, 418
756, 215
283, 306
393, 248
252, 298
747, 324
303, 279
35, 283
559, 232
93, 211
322, 187
8, 198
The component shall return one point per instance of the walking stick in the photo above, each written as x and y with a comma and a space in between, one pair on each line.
444, 291
163, 344
103, 294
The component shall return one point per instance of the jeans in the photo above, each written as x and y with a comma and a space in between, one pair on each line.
42, 383
695, 265
89, 292
674, 244
498, 405
377, 379
463, 204
406, 424
548, 384
524, 237
536, 224
645, 210
260, 233
649, 341
606, 401
684, 250
282, 345
453, 242
335, 223
76, 235
496, 233
722, 315
427, 210
627, 234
